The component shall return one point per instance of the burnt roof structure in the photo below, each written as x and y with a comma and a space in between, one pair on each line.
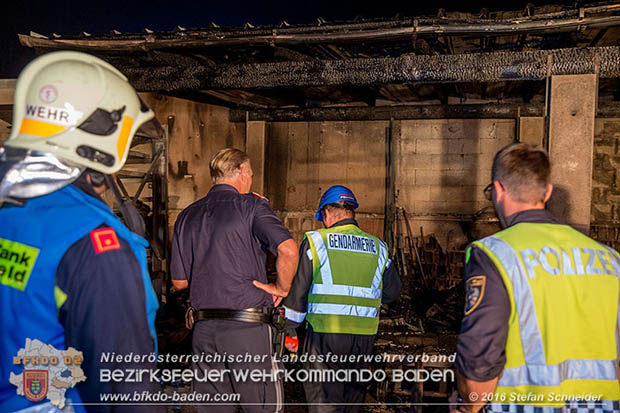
500, 57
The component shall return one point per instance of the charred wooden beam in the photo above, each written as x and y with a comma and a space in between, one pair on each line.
159, 58
472, 111
480, 67
203, 97
479, 111
242, 98
337, 33
284, 53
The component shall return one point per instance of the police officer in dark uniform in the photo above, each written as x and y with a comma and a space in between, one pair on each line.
219, 252
344, 276
540, 330
82, 282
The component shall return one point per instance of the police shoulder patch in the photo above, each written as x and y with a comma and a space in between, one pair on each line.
474, 291
260, 196
104, 239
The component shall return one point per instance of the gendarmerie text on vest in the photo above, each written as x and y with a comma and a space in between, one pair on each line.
350, 242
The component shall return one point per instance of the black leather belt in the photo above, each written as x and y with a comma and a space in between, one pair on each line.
261, 315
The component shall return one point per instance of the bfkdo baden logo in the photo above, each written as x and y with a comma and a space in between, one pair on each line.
35, 384
48, 373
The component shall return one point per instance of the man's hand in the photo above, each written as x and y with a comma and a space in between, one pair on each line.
180, 284
471, 392
286, 265
276, 292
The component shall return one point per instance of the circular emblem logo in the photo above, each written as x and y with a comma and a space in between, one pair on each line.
48, 94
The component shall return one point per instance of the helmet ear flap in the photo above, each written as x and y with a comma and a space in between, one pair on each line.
96, 178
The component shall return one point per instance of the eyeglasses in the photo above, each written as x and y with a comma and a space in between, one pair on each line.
488, 191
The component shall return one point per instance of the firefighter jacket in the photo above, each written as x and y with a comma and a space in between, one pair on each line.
33, 240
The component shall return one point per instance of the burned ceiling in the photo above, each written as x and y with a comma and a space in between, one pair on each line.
490, 57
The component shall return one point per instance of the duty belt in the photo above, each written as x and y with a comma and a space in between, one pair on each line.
261, 315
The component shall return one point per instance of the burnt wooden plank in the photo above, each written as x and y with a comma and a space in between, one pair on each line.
474, 67
474, 111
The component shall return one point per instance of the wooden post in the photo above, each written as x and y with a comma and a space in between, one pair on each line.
7, 91
255, 140
571, 145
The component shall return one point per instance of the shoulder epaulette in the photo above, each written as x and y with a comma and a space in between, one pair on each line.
260, 196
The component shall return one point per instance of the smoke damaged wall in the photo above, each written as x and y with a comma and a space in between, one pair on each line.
441, 168
444, 165
198, 131
305, 158
605, 172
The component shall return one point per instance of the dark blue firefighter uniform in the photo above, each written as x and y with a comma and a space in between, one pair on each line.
85, 286
219, 248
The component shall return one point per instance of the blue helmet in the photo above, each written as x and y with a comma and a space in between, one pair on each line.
336, 193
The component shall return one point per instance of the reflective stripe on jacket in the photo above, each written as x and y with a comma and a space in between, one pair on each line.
348, 266
563, 328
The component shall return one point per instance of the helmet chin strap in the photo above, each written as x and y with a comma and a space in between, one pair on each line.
132, 217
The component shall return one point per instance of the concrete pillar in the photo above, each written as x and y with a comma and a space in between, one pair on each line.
571, 143
255, 140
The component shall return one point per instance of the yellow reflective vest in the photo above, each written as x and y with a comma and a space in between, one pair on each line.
348, 266
564, 291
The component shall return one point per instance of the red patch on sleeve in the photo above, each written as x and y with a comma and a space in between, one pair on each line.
104, 239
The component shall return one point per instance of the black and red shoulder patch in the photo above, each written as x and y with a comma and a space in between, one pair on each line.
104, 239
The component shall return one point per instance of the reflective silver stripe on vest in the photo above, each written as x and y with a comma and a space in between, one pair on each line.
343, 309
293, 315
602, 406
321, 250
381, 265
521, 408
528, 325
536, 371
345, 290
329, 288
554, 375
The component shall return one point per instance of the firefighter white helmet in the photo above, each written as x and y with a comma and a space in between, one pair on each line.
78, 108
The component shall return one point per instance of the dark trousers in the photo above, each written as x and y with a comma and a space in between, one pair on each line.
231, 339
336, 396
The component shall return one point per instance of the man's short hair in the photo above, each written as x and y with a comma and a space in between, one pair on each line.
226, 164
524, 171
341, 209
